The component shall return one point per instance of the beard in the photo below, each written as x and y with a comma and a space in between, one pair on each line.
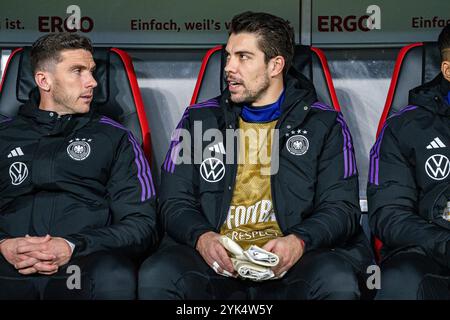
249, 96
62, 98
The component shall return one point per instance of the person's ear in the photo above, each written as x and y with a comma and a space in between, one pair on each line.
276, 66
445, 69
43, 80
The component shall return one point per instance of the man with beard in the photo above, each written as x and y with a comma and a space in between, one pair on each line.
76, 193
297, 202
408, 191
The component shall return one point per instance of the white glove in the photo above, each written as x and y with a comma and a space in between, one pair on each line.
446, 213
261, 257
253, 263
251, 271
232, 247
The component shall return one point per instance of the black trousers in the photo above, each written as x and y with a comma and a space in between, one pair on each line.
413, 276
103, 276
178, 271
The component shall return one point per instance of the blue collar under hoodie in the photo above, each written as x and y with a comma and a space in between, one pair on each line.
263, 114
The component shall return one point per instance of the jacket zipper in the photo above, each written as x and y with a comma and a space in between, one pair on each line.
272, 177
52, 172
225, 209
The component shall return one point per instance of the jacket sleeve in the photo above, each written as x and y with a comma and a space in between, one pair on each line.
131, 198
336, 212
3, 236
393, 201
179, 207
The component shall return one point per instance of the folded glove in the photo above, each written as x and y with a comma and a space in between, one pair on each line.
261, 257
253, 263
251, 271
446, 213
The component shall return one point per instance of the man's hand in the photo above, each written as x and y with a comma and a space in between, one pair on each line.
58, 248
9, 250
215, 255
289, 249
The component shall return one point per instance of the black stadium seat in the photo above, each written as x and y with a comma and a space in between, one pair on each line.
310, 61
416, 64
116, 96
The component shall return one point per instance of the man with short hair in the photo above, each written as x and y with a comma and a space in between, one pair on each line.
408, 191
76, 192
294, 206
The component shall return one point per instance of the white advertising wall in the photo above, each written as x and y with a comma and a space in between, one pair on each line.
132, 22
353, 23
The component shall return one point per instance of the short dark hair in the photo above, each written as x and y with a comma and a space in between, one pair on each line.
444, 42
276, 35
48, 47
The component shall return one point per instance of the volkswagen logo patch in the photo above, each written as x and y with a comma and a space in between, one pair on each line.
297, 145
79, 150
18, 172
437, 167
212, 170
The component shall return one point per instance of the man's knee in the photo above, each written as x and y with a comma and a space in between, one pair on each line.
401, 278
340, 282
97, 276
113, 276
169, 274
15, 286
333, 278
155, 278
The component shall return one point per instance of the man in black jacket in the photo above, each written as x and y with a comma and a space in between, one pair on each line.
291, 189
76, 193
408, 191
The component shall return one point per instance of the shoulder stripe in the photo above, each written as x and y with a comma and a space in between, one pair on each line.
375, 151
349, 154
144, 173
169, 162
211, 103
402, 111
322, 106
5, 119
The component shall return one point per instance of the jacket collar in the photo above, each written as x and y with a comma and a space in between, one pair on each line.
432, 95
50, 123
